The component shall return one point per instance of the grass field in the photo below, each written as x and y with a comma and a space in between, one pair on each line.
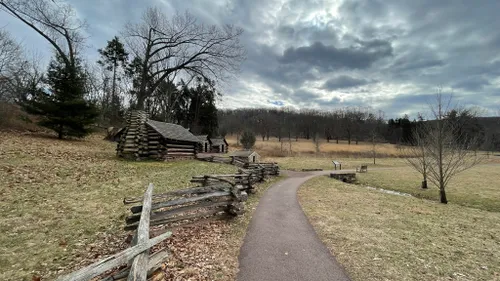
305, 148
378, 236
61, 201
478, 187
325, 163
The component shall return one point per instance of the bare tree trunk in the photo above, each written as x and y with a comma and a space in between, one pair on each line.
442, 195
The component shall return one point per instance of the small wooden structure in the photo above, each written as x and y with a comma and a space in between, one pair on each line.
362, 169
337, 164
204, 143
218, 145
348, 177
143, 138
246, 156
114, 134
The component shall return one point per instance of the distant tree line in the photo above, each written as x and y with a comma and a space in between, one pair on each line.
350, 124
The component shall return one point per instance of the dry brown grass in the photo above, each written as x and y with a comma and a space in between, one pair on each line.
478, 187
12, 118
61, 199
304, 147
325, 162
378, 236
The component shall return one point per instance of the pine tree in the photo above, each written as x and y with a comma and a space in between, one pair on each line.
62, 105
248, 139
113, 57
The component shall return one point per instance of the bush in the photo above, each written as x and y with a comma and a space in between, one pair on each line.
247, 139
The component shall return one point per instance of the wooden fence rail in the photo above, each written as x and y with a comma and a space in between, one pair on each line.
219, 195
190, 204
140, 263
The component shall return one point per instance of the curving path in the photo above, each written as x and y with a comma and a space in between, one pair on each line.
281, 244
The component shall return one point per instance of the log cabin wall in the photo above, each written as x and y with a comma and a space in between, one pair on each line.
140, 140
134, 137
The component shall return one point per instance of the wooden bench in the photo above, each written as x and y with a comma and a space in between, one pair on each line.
362, 169
337, 163
349, 177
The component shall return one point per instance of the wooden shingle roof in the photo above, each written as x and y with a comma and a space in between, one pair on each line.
242, 153
172, 131
202, 138
220, 141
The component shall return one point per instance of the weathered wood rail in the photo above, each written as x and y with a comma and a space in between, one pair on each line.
190, 204
140, 264
271, 169
243, 181
219, 196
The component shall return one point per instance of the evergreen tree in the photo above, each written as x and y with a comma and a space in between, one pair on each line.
247, 139
62, 106
113, 57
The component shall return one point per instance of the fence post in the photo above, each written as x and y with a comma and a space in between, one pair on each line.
139, 270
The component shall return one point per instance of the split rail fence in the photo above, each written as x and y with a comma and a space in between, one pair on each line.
219, 196
139, 263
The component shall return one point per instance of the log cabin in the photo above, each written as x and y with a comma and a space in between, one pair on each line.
247, 156
218, 145
204, 143
143, 138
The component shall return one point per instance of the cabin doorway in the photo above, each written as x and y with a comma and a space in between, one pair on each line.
253, 159
206, 147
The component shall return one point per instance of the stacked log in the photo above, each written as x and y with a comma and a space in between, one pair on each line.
239, 163
270, 168
179, 151
156, 149
243, 181
187, 205
133, 141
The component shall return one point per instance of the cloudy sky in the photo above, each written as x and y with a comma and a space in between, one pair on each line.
389, 55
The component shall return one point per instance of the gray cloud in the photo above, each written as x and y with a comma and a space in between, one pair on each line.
344, 81
330, 58
391, 54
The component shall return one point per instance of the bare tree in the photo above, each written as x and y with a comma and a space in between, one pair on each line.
446, 153
10, 53
165, 47
415, 152
53, 20
374, 140
10, 64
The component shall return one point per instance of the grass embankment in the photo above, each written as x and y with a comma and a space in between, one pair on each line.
478, 187
378, 236
61, 201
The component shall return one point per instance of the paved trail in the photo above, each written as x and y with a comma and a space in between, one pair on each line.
281, 244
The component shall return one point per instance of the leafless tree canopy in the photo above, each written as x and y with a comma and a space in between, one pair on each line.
10, 53
17, 71
181, 45
440, 149
53, 20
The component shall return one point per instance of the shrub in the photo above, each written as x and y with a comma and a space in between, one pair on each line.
247, 139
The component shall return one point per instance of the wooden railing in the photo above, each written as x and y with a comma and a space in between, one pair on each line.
140, 264
190, 204
219, 196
